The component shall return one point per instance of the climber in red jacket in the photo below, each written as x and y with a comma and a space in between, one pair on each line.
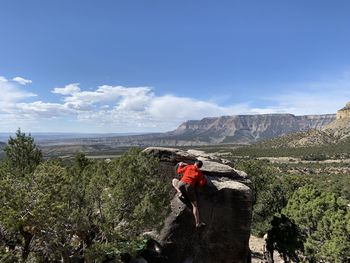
192, 177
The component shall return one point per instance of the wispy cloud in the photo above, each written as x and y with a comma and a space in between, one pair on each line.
22, 81
125, 109
3, 79
111, 108
11, 94
67, 90
317, 97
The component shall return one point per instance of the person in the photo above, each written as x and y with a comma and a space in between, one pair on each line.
192, 177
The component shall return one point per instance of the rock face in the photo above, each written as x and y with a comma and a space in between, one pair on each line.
334, 132
238, 129
225, 204
249, 128
344, 112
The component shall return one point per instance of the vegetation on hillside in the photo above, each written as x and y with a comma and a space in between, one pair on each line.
91, 210
303, 206
324, 219
339, 150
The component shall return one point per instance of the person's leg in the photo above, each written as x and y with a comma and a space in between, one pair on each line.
175, 183
179, 187
195, 212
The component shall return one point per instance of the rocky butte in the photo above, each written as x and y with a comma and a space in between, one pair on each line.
248, 128
336, 131
344, 112
225, 205
339, 129
238, 129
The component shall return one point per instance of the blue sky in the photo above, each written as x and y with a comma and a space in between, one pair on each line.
144, 66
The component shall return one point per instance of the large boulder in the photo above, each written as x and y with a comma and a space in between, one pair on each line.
225, 205
212, 165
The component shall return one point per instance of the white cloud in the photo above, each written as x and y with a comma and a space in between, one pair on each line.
319, 97
11, 94
129, 109
133, 98
3, 79
67, 90
107, 93
22, 81
43, 109
181, 108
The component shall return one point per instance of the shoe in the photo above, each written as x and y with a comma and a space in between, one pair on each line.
181, 197
201, 224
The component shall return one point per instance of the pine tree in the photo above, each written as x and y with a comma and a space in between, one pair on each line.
22, 154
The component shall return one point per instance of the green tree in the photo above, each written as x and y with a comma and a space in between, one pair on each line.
271, 191
285, 237
324, 219
92, 210
332, 237
22, 154
22, 158
141, 197
128, 199
32, 207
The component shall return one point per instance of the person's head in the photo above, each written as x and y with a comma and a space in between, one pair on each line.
198, 163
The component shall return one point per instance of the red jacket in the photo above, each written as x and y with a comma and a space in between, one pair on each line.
191, 175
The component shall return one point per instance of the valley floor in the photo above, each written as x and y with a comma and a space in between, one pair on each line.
299, 160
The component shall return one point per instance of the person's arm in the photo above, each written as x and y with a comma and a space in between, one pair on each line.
182, 168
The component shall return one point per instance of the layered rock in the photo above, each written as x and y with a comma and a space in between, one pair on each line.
238, 129
249, 128
334, 132
340, 128
225, 205
344, 112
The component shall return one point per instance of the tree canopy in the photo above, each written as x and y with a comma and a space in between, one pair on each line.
324, 218
91, 210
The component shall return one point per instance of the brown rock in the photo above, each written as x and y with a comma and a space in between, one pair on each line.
225, 205
344, 112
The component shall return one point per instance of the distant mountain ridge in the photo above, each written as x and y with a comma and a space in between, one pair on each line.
52, 136
249, 128
240, 129
237, 129
335, 132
